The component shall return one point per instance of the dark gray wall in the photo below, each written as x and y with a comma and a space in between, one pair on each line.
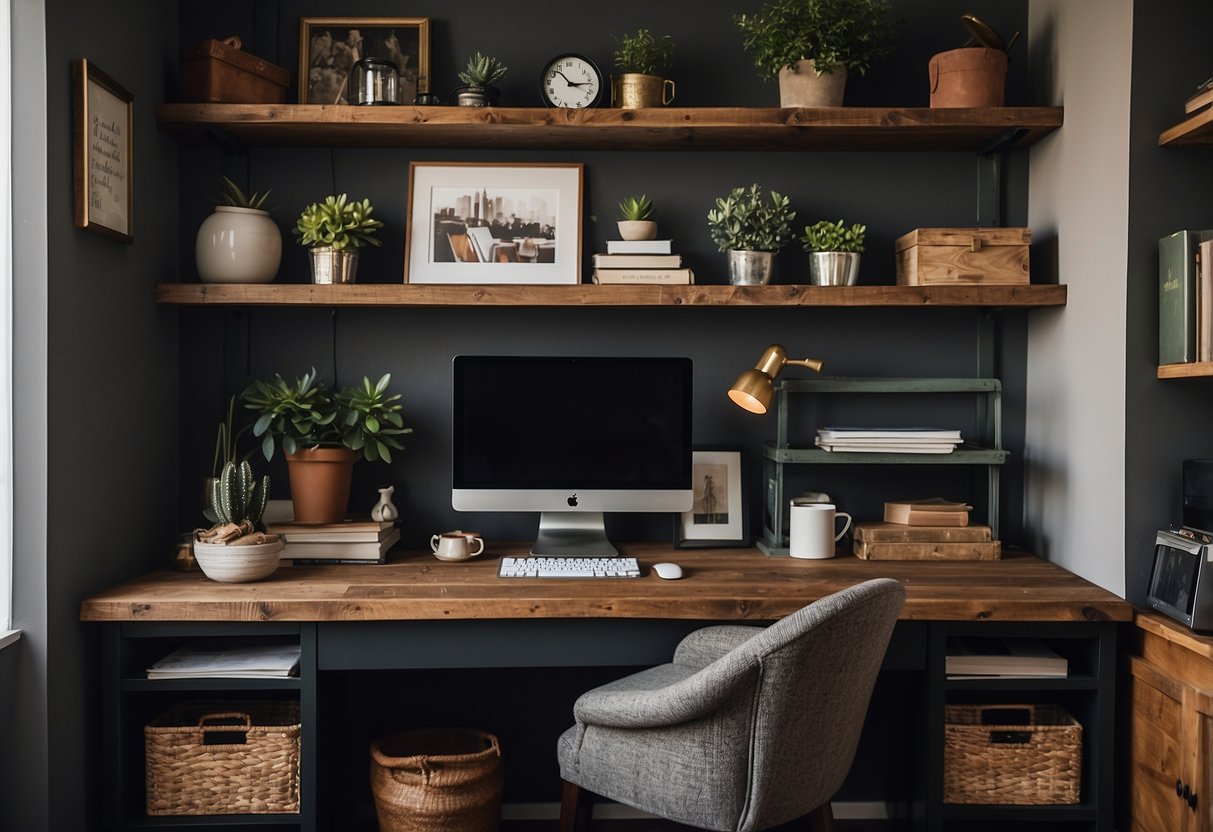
1166, 421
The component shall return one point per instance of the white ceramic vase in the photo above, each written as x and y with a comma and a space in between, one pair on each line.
385, 509
803, 87
238, 245
236, 563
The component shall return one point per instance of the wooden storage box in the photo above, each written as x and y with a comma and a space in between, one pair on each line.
1023, 755
217, 72
963, 257
223, 758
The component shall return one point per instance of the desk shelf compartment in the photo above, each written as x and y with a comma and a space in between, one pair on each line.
781, 452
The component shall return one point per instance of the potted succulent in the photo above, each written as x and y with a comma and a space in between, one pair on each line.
636, 218
239, 242
480, 79
322, 432
751, 227
811, 45
644, 58
834, 251
335, 229
234, 550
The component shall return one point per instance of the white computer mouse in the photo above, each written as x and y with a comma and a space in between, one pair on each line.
669, 571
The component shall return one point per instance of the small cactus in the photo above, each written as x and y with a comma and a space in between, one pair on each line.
236, 497
482, 71
635, 208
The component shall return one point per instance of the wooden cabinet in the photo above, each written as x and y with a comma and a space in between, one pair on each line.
1171, 711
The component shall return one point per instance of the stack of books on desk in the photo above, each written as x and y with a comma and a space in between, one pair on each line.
895, 541
927, 511
889, 440
641, 261
352, 541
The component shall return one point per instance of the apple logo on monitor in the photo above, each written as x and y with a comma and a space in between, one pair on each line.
573, 501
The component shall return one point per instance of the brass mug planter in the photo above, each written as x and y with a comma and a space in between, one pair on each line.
332, 266
633, 90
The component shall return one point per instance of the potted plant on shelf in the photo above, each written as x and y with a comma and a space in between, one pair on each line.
834, 251
322, 434
234, 550
811, 45
239, 242
636, 218
335, 229
751, 228
644, 58
480, 77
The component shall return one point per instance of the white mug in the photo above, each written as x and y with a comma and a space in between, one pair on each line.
456, 545
812, 530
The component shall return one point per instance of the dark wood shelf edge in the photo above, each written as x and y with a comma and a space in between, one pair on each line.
1195, 131
786, 295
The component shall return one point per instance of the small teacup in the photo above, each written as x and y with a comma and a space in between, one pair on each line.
456, 545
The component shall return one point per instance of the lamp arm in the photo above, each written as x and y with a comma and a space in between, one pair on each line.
814, 364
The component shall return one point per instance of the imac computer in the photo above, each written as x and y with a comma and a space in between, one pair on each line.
571, 438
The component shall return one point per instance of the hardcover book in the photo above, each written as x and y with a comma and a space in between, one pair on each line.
665, 277
931, 511
1177, 302
637, 261
640, 246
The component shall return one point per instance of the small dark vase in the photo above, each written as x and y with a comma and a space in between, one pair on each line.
476, 96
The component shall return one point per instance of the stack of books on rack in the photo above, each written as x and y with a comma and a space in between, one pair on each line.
641, 261
228, 660
889, 440
927, 511
980, 658
894, 541
1201, 99
352, 541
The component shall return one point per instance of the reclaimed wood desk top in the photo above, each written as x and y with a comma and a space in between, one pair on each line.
717, 584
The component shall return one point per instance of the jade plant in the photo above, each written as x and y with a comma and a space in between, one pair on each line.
636, 208
232, 194
482, 71
746, 220
851, 33
833, 236
338, 222
644, 52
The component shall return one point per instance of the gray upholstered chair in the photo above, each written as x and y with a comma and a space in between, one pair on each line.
748, 727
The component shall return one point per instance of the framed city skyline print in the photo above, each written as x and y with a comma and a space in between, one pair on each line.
490, 222
103, 154
329, 47
718, 512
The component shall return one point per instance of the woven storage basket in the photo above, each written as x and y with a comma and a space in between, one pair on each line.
223, 758
1016, 754
437, 780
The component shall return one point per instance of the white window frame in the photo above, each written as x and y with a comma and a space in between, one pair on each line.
7, 634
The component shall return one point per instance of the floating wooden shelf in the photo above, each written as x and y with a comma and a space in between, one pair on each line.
668, 128
1191, 132
1195, 369
428, 295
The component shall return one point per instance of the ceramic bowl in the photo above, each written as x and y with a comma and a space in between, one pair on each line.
238, 564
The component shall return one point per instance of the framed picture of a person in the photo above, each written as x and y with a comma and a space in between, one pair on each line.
718, 515
330, 46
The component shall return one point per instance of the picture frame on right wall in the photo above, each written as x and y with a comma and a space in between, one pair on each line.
718, 517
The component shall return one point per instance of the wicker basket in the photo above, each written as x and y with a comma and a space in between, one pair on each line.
223, 758
437, 780
1014, 754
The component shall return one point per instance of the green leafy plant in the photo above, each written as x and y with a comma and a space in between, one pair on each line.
232, 194
634, 208
338, 222
644, 52
745, 220
853, 33
482, 71
237, 497
833, 236
305, 414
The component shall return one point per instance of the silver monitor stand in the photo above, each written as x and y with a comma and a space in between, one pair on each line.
572, 534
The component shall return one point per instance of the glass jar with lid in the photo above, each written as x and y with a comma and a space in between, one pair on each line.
374, 81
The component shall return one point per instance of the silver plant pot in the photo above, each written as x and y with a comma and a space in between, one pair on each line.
833, 268
332, 266
750, 268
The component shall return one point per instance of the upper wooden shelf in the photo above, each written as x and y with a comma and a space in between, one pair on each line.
1191, 132
669, 128
428, 295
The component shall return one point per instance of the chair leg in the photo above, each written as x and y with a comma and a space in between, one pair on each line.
820, 819
575, 808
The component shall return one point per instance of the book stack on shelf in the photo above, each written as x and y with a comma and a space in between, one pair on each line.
228, 660
980, 658
641, 261
1185, 297
889, 440
352, 541
1199, 100
928, 529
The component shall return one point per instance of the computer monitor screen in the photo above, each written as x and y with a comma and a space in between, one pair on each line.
571, 438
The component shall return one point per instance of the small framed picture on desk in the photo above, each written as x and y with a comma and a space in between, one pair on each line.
718, 515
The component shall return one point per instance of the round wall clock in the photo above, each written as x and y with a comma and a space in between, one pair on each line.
570, 80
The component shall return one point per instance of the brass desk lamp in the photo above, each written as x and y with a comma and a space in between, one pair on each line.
754, 389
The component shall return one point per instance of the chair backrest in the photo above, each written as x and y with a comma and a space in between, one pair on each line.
817, 669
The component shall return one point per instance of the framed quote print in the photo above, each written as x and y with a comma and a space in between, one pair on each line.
103, 153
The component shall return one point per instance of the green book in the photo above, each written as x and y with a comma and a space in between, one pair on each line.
1177, 299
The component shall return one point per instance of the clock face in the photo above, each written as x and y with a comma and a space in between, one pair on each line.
571, 81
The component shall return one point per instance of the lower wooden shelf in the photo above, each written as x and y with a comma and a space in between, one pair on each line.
1193, 369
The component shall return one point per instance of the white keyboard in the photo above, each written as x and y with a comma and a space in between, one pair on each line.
547, 567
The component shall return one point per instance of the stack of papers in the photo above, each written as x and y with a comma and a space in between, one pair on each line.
228, 661
1008, 657
889, 440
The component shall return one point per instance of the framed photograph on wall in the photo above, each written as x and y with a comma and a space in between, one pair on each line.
103, 154
489, 222
329, 47
718, 515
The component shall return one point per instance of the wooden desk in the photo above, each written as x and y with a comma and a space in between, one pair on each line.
420, 613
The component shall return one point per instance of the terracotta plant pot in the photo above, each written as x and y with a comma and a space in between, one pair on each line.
803, 87
320, 483
970, 77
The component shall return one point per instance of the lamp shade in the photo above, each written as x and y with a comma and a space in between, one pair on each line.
753, 391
